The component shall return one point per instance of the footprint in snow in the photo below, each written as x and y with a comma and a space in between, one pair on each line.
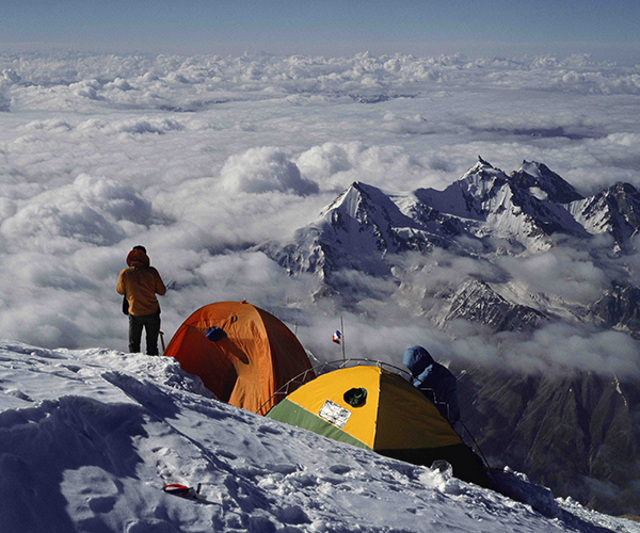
340, 469
269, 430
283, 469
226, 454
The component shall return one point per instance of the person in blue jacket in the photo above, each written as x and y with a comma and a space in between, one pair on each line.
434, 380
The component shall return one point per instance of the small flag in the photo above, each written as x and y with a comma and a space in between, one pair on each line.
336, 337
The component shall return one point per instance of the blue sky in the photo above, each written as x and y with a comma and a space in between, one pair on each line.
323, 26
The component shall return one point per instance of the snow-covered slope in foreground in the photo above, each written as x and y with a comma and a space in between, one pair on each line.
89, 438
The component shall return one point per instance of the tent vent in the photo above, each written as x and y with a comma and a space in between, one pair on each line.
214, 334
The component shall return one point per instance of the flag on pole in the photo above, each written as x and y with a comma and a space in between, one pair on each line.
337, 336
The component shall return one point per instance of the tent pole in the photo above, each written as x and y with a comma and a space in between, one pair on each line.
342, 343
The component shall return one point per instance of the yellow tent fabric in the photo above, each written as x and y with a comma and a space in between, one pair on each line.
331, 387
256, 355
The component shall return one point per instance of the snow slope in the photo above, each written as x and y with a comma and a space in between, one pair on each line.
88, 438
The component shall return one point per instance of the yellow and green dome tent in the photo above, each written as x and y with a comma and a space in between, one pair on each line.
375, 409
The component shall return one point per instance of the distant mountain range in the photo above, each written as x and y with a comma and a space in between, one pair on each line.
578, 433
484, 215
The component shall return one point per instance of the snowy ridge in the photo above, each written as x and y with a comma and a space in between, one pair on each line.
90, 437
614, 211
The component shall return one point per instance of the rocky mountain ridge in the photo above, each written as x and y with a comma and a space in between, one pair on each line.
576, 434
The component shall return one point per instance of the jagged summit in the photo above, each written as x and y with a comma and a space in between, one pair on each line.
483, 170
524, 208
356, 199
544, 183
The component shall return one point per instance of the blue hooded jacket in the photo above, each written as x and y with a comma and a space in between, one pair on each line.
434, 380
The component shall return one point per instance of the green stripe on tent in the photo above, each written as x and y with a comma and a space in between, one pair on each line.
291, 413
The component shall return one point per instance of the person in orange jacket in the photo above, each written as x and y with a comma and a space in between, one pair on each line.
140, 283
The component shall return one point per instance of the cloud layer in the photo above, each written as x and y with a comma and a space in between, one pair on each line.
201, 158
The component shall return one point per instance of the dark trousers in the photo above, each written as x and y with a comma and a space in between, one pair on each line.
151, 324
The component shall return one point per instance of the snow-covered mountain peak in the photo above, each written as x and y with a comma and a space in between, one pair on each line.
482, 170
543, 183
355, 232
363, 216
356, 200
533, 168
521, 207
483, 188
614, 211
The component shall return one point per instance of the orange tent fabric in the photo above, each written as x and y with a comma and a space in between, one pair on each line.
256, 355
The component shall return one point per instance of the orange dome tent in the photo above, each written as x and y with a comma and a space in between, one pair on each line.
242, 354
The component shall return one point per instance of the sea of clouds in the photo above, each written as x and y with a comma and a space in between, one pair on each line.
201, 158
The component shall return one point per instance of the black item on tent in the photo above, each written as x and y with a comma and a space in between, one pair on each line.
356, 397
